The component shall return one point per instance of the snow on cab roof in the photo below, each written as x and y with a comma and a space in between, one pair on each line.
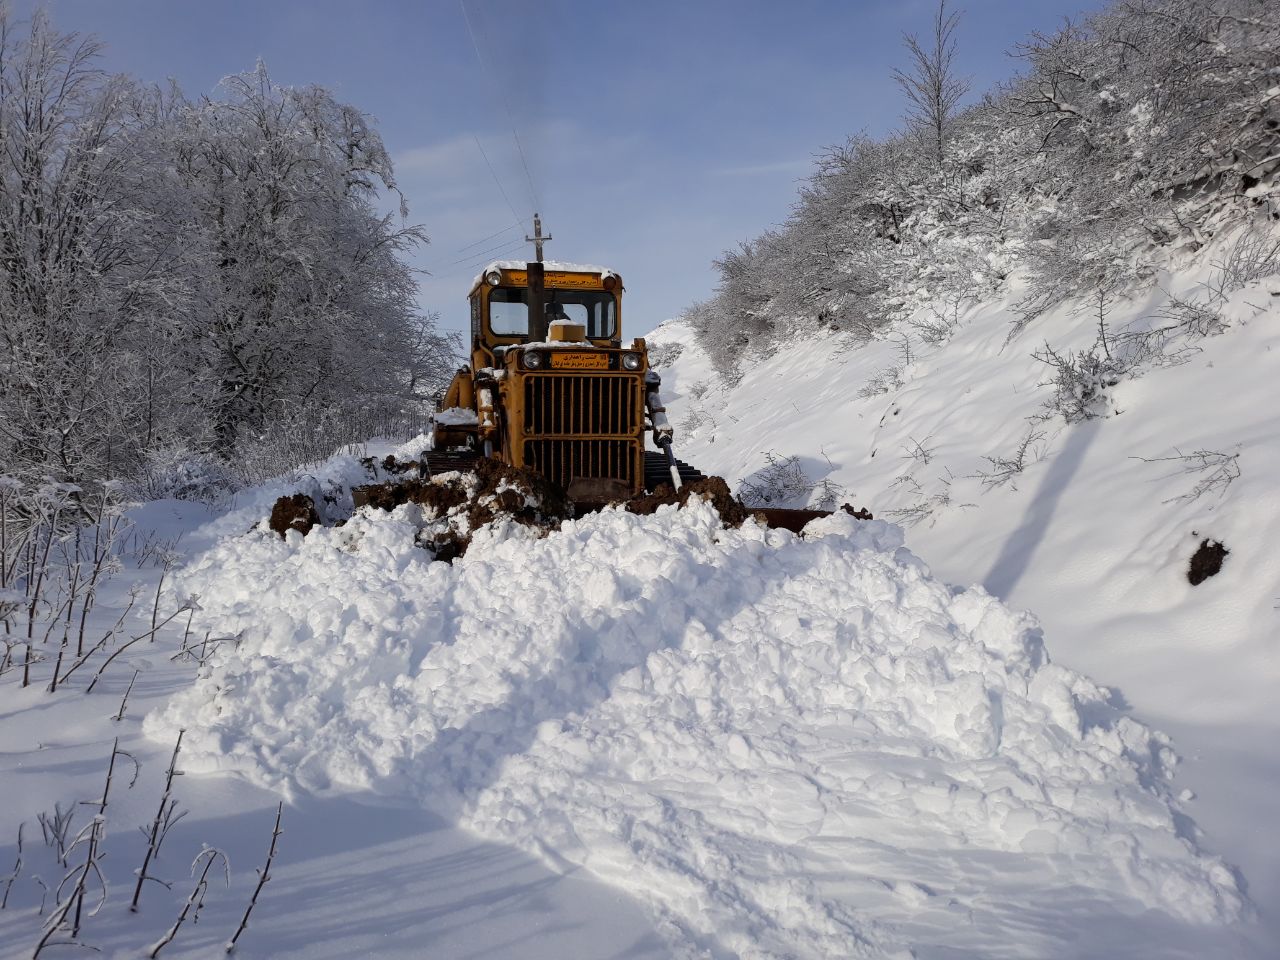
558, 265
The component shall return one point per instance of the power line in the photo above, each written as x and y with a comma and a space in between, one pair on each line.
489, 237
471, 266
481, 253
494, 174
506, 107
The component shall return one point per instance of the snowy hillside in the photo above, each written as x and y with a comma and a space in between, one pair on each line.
1090, 524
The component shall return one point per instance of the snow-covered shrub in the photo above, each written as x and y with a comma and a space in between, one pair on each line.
662, 355
924, 504
781, 482
827, 495
886, 381
694, 418
177, 472
1080, 381
1253, 256
1004, 470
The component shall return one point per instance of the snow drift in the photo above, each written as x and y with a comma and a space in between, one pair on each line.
786, 746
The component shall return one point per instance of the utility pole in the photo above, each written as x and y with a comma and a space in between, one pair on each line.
537, 239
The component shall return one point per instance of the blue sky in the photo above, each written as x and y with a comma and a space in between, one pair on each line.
657, 133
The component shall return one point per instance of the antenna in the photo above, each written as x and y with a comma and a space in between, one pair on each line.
538, 239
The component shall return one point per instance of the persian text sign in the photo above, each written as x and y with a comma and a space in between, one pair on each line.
579, 361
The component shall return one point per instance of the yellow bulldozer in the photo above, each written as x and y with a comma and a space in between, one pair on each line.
552, 387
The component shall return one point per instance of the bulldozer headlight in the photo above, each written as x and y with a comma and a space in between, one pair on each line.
493, 277
531, 360
632, 361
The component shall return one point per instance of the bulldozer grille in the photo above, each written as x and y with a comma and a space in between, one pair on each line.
561, 405
562, 461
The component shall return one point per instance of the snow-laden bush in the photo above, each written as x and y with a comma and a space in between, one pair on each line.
781, 482
177, 472
1080, 381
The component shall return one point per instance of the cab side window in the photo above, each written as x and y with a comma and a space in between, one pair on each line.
509, 311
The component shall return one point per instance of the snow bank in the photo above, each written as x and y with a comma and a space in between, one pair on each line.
709, 718
328, 484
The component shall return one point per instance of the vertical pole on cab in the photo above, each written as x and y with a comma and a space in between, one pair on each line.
537, 285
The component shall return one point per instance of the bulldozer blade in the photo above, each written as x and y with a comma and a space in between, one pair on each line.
793, 520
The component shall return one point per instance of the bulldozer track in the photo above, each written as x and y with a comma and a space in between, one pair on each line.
657, 473
448, 461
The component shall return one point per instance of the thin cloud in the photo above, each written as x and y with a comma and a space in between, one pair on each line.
764, 169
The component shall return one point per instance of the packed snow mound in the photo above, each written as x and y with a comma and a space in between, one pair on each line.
801, 747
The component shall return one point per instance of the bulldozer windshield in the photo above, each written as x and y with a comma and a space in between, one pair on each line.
594, 309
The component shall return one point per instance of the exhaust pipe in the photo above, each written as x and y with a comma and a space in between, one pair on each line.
537, 297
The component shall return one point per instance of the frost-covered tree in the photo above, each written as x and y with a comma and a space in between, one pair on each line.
76, 267
179, 273
302, 298
1140, 127
931, 83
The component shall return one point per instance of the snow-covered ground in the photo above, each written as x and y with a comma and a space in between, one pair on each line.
359, 873
653, 736
638, 736
1095, 534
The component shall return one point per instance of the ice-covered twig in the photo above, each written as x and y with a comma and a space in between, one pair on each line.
196, 901
111, 767
1217, 471
159, 826
17, 869
263, 876
70, 912
124, 702
125, 646
55, 830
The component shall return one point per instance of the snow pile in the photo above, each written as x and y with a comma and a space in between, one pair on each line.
328, 483
787, 747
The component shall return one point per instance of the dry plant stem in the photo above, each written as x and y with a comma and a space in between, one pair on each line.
186, 633
111, 766
6, 492
102, 544
125, 646
62, 647
106, 637
17, 869
196, 900
56, 828
124, 703
41, 569
63, 915
158, 827
155, 607
263, 876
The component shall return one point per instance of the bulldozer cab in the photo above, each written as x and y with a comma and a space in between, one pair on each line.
508, 313
508, 308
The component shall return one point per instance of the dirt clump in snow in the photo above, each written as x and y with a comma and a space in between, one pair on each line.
294, 512
456, 504
1206, 561
714, 490
438, 496
389, 465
